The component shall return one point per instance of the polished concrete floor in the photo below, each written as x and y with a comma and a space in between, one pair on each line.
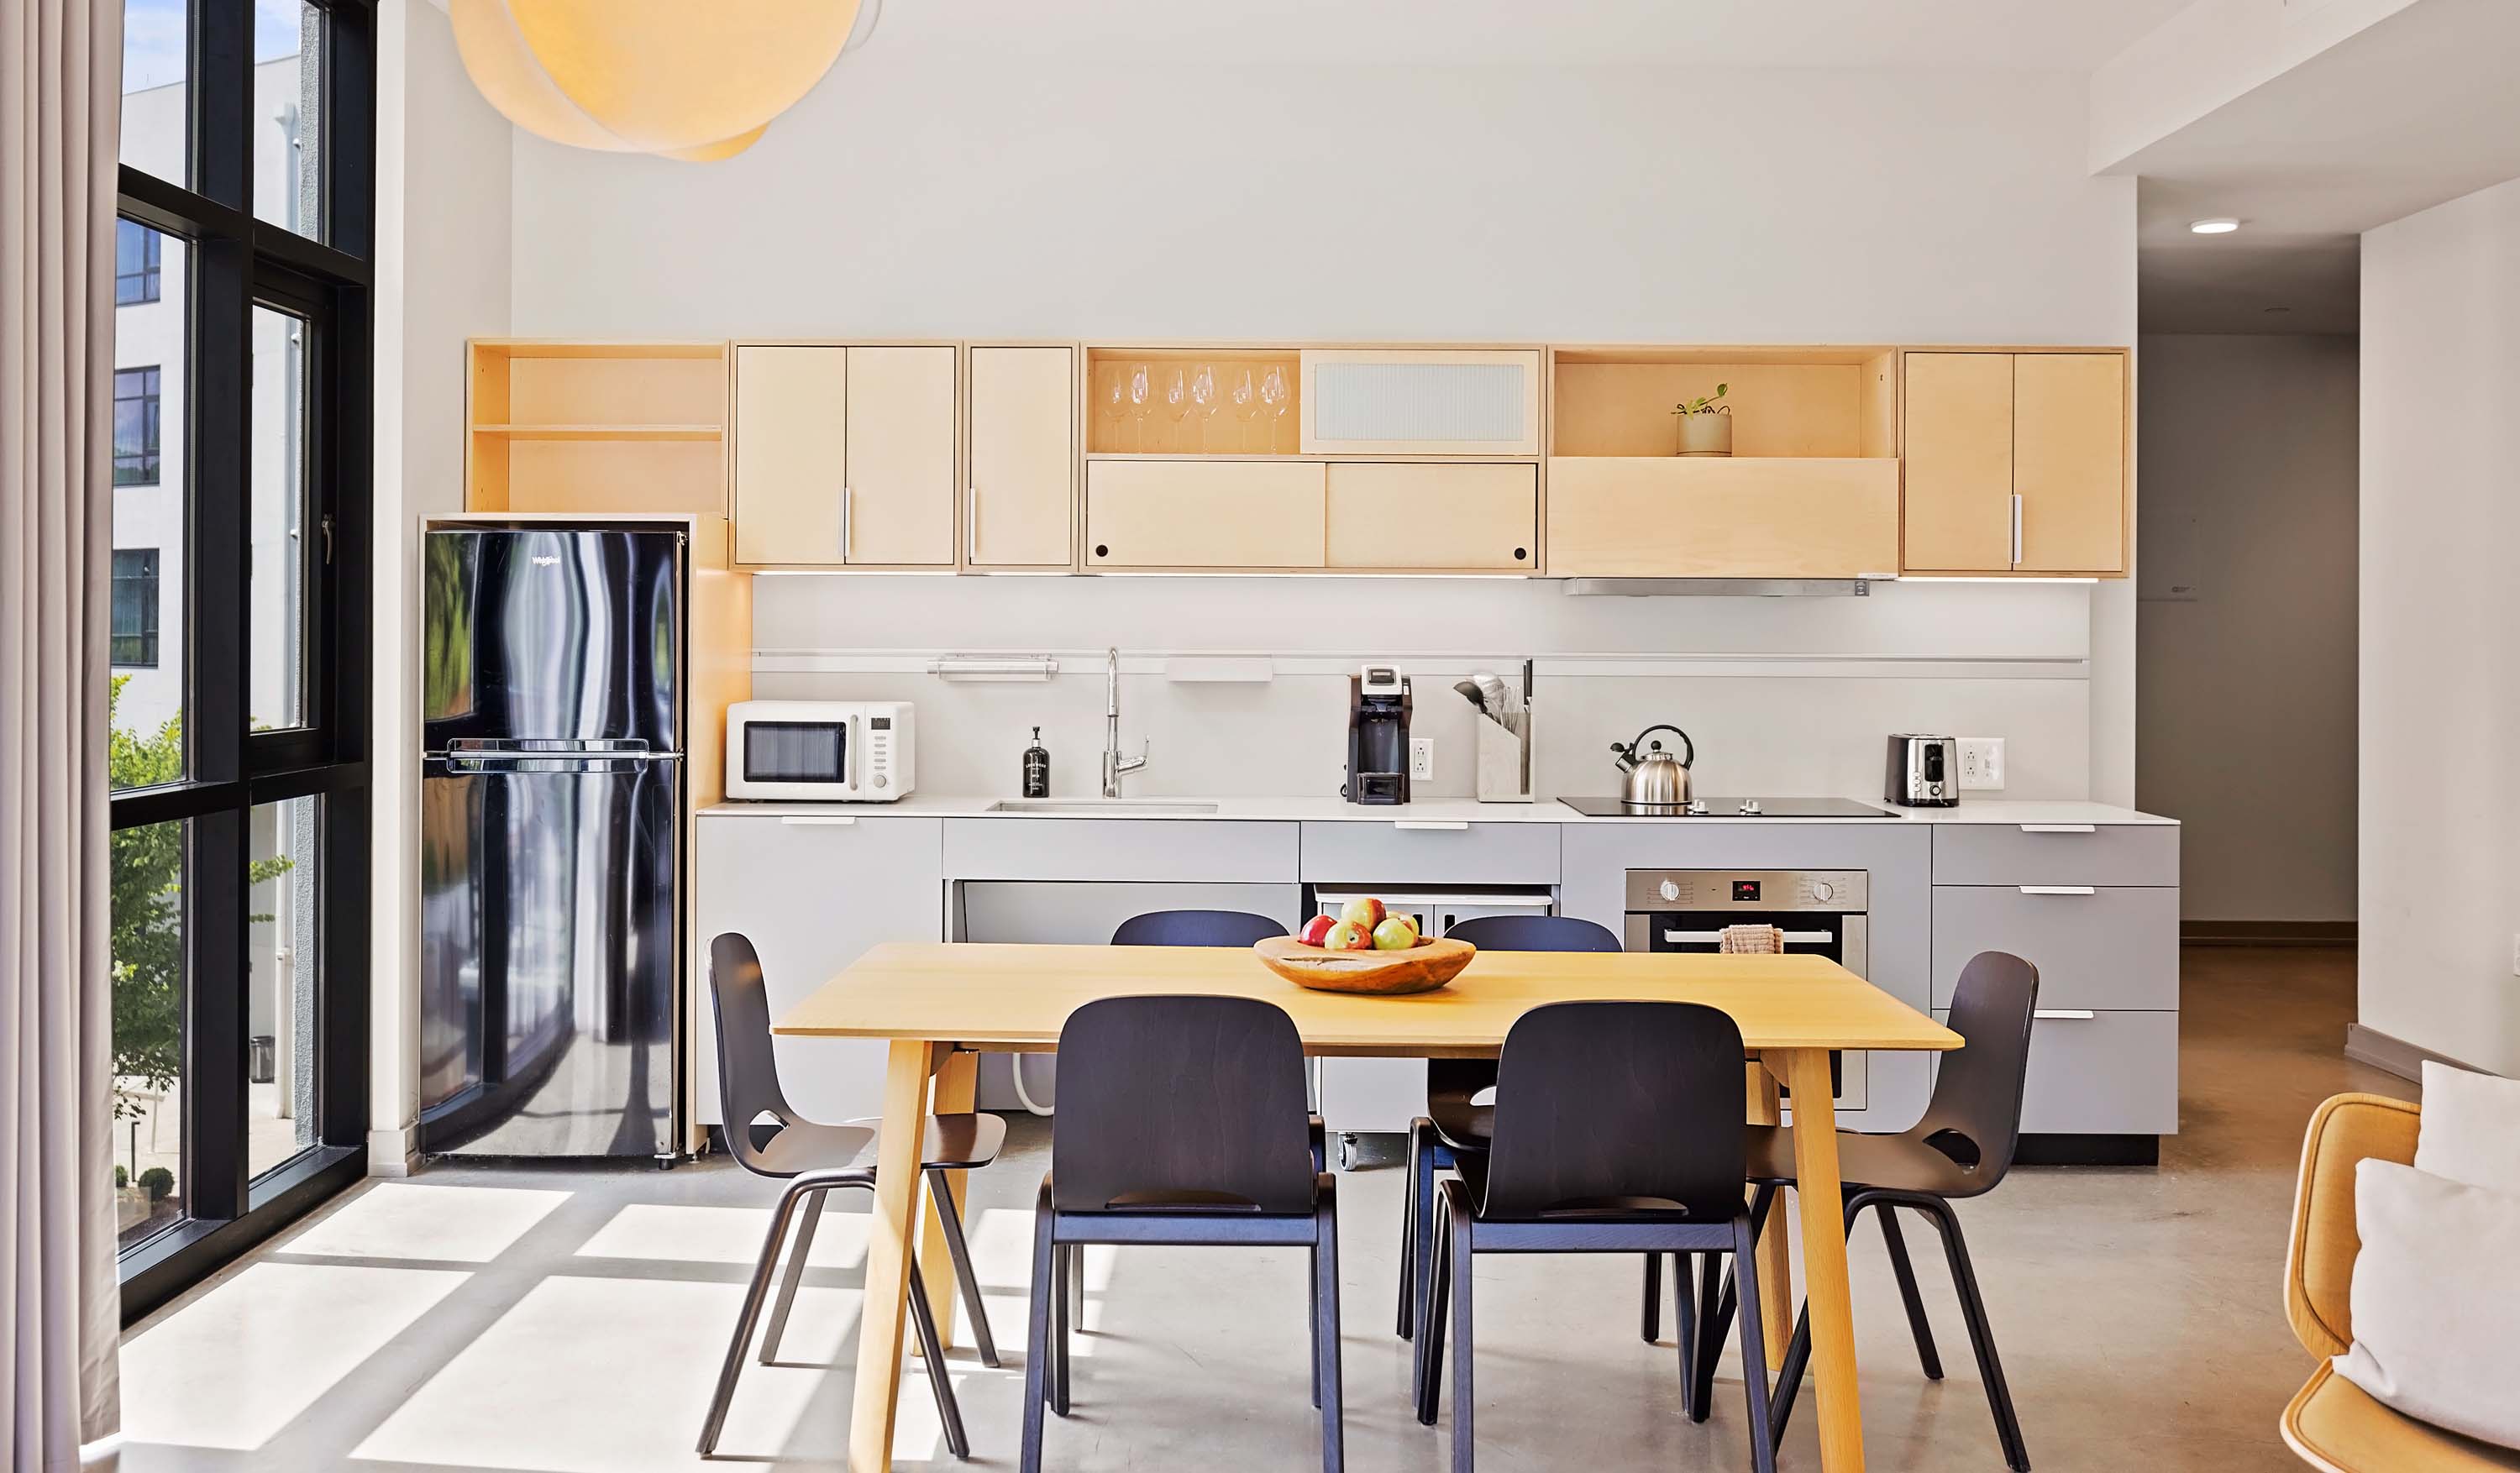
559, 1321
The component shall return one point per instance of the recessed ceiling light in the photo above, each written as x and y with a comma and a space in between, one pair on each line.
2220, 225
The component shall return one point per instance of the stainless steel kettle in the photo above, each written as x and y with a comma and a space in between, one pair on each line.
1656, 777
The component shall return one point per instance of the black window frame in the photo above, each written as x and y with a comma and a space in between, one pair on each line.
144, 604
146, 465
234, 261
146, 275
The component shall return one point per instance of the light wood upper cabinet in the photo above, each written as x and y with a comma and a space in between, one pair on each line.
2069, 461
1204, 514
2016, 463
790, 453
1019, 507
1420, 401
1390, 515
1739, 516
900, 500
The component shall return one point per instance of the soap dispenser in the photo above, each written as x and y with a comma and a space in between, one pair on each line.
1036, 767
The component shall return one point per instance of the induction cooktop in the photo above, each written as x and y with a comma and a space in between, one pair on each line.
1730, 808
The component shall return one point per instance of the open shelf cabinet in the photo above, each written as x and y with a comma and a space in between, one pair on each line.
1115, 424
596, 428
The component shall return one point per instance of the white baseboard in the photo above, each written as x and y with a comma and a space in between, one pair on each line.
394, 1152
2395, 1055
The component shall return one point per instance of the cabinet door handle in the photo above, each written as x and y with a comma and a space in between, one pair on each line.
844, 523
817, 820
971, 526
2016, 529
1449, 826
2058, 890
2061, 828
2063, 1014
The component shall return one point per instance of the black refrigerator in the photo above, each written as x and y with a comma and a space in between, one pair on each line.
550, 829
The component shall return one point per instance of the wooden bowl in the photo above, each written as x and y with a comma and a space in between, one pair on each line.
1434, 962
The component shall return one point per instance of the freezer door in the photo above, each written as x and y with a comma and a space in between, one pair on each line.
553, 633
550, 956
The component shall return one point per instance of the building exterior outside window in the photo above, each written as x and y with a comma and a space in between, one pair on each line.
135, 608
135, 263
135, 426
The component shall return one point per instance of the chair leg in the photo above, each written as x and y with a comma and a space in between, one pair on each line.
1465, 1394
1432, 1312
751, 1314
1076, 1287
1313, 1307
1410, 1287
950, 1218
1037, 1334
1754, 1349
1712, 1284
1062, 1273
1328, 1388
1904, 1271
1649, 1324
931, 1346
1683, 1316
1789, 1376
795, 1277
2008, 1425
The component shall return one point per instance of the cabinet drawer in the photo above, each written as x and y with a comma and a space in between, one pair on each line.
2109, 1074
1108, 849
1430, 401
1406, 851
2111, 947
1390, 515
2058, 854
1203, 513
1631, 516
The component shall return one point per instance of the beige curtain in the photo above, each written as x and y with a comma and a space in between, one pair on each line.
60, 75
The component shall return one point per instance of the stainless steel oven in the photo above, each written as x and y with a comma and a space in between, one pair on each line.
1822, 913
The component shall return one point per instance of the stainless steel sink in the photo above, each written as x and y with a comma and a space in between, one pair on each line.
1107, 807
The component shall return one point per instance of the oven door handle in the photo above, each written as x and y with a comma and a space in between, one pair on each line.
1715, 938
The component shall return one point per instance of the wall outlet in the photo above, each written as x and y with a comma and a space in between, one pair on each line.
1421, 759
1981, 763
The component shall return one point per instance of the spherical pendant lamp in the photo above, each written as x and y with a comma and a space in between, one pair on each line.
689, 79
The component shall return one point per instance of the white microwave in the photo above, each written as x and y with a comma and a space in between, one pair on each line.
847, 750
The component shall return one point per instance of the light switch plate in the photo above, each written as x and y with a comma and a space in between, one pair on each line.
1421, 759
1981, 763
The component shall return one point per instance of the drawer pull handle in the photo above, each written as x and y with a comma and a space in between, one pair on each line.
1433, 825
2061, 828
817, 820
2059, 890
1715, 938
2064, 1015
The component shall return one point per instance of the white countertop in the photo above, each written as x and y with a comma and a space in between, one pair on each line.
1430, 810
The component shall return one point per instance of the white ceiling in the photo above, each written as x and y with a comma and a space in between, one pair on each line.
2074, 35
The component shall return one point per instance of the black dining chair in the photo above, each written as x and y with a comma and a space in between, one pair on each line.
1614, 1132
815, 1160
1961, 1148
1195, 928
1453, 1124
1181, 1121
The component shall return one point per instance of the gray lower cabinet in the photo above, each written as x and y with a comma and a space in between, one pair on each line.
2094, 946
813, 892
2099, 1073
1405, 851
2056, 854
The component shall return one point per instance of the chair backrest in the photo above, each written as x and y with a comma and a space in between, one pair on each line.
747, 1071
1513, 933
1195, 928
2319, 1266
1181, 1104
1975, 1115
1618, 1109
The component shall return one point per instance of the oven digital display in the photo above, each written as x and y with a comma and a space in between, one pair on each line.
1744, 889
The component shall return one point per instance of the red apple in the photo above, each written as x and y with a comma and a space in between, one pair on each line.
1397, 933
1317, 929
1366, 913
1348, 936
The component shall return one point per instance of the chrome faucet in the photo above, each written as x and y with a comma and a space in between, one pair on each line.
1114, 766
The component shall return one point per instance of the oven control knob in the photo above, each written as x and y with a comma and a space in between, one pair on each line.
1671, 889
1822, 890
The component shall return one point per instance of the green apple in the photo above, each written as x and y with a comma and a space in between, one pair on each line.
1348, 936
1365, 915
1397, 933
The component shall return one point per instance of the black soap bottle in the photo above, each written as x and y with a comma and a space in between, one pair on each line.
1036, 767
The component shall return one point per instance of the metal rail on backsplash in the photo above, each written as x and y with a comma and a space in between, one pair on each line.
1244, 665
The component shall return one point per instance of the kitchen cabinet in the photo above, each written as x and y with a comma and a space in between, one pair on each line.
1420, 401
2111, 947
844, 455
2015, 463
1165, 513
2097, 1073
813, 891
1390, 515
1618, 517
1020, 505
1406, 851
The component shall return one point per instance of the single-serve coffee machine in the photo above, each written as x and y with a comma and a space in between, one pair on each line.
1378, 735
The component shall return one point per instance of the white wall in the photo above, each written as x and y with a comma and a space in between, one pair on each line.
921, 192
2246, 633
2440, 812
443, 234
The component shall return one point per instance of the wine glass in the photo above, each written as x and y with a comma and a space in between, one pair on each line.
1113, 399
1274, 394
1246, 397
1175, 395
1202, 395
1141, 391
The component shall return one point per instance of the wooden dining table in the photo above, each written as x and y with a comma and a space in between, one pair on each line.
942, 1004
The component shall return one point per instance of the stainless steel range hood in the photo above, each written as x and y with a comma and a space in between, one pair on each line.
1722, 588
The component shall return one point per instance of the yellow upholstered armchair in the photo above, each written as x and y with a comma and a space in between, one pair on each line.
2333, 1423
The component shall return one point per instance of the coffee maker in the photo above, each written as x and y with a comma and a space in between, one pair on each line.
1378, 735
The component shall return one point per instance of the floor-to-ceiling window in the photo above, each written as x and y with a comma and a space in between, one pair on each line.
238, 631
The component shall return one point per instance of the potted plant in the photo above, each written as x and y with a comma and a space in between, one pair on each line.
1705, 423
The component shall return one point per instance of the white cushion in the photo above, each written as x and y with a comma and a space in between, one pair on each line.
2471, 1128
2435, 1299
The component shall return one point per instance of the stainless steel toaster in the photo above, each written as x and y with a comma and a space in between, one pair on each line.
1925, 772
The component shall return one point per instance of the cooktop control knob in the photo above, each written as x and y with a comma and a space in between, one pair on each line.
1822, 890
1671, 889
1750, 807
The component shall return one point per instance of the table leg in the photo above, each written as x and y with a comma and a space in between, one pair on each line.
1775, 1255
957, 1083
888, 1260
1824, 1284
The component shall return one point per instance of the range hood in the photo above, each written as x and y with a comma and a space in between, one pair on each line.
1722, 588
